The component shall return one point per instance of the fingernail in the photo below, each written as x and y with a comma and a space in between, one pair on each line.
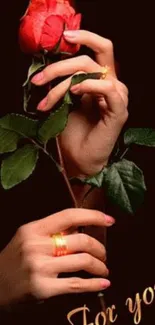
71, 33
38, 77
42, 104
105, 284
75, 88
109, 220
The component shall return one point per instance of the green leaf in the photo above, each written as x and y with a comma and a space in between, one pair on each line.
35, 67
140, 136
19, 166
55, 124
67, 98
8, 141
78, 78
95, 180
125, 185
20, 124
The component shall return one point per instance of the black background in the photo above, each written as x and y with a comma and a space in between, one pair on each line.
130, 25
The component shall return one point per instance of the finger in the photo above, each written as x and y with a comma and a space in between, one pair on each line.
122, 90
54, 95
84, 243
65, 219
64, 68
75, 243
60, 90
102, 47
103, 89
73, 263
54, 287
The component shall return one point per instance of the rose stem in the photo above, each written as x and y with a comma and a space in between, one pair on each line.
62, 165
63, 171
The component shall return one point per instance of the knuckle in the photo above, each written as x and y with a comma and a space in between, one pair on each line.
111, 86
86, 60
31, 264
125, 89
109, 45
74, 284
124, 116
26, 248
69, 215
35, 289
22, 233
87, 260
86, 241
103, 253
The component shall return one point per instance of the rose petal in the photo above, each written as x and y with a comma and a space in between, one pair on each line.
73, 24
37, 6
60, 9
26, 36
68, 47
38, 23
52, 31
43, 24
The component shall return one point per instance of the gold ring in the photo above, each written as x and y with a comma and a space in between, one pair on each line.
104, 71
60, 245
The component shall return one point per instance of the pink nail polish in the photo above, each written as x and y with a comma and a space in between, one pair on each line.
71, 33
109, 220
75, 88
38, 77
42, 104
105, 284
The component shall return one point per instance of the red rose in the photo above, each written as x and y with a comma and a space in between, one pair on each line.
43, 24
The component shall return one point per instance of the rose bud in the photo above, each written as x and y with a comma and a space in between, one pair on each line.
43, 25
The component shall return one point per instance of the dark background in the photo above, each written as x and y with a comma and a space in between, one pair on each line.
130, 25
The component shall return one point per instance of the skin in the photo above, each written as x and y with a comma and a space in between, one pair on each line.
93, 129
28, 266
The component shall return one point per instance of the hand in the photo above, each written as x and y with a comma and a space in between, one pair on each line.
93, 129
28, 267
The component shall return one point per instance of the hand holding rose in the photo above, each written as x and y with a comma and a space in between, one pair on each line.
93, 129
